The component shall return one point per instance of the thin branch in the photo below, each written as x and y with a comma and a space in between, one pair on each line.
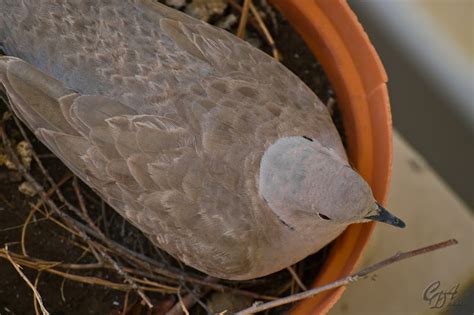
128, 279
266, 32
195, 297
35, 301
346, 280
404, 255
257, 22
125, 303
243, 19
182, 303
23, 230
297, 278
33, 288
36, 208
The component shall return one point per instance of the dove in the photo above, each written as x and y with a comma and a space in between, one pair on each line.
219, 154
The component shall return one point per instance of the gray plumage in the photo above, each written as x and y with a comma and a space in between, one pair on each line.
168, 119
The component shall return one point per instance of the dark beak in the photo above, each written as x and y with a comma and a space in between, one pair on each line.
386, 217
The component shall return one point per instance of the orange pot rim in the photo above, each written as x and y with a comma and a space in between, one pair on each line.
334, 35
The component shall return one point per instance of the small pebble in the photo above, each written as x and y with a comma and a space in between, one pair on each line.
227, 22
4, 160
24, 151
204, 9
27, 189
229, 303
254, 41
176, 3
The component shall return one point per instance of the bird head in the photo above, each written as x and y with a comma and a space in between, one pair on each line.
308, 184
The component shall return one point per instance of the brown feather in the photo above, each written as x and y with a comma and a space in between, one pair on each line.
167, 118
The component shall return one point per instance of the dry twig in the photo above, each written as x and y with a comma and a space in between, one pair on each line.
35, 301
266, 32
297, 278
33, 287
35, 208
257, 22
243, 19
346, 280
182, 304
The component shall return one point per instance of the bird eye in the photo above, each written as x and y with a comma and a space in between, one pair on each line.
308, 138
324, 217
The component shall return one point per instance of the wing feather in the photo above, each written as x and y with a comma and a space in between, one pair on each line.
168, 129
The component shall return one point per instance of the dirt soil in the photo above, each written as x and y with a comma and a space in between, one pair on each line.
46, 240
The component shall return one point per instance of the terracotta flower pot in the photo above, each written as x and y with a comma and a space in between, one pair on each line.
332, 32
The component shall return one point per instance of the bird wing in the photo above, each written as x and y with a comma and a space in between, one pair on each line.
171, 121
244, 77
146, 167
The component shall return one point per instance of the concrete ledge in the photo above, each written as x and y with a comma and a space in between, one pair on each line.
433, 213
430, 83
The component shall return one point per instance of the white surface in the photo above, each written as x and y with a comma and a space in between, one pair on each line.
433, 214
440, 57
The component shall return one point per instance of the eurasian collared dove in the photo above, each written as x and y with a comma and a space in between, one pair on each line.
218, 153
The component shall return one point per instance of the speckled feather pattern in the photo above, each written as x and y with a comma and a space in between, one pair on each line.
166, 118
